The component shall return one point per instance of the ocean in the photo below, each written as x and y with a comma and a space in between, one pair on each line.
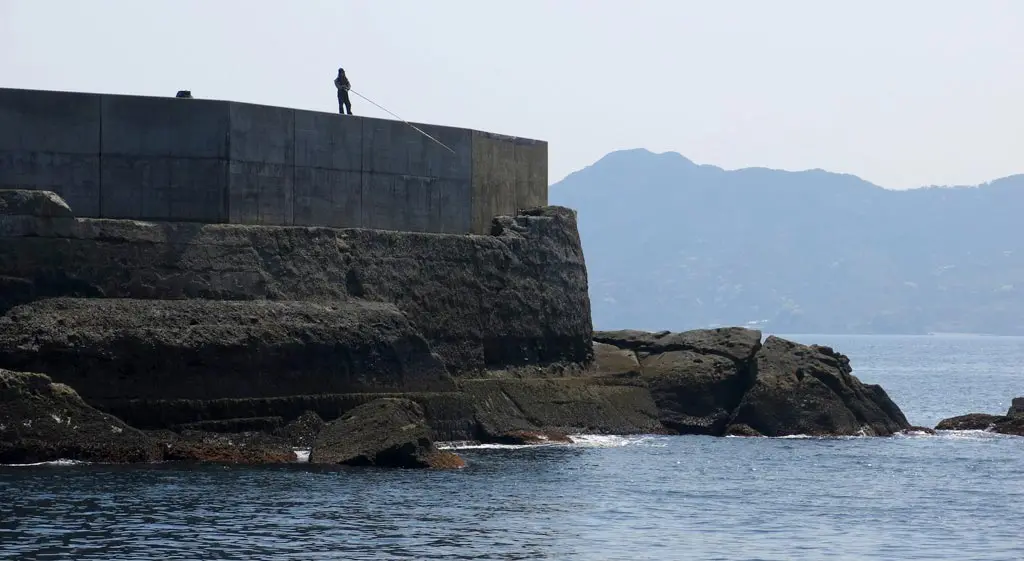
955, 496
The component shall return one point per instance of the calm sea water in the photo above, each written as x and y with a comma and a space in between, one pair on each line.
956, 496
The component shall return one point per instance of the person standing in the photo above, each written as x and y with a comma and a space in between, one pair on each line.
343, 85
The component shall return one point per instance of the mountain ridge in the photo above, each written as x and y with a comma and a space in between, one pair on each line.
672, 244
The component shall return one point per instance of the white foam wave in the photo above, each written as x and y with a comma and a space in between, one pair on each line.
301, 455
578, 440
613, 441
51, 463
470, 445
971, 435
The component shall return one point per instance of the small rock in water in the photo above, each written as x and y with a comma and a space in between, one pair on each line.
302, 432
1011, 425
42, 421
385, 432
1016, 407
741, 430
971, 421
228, 448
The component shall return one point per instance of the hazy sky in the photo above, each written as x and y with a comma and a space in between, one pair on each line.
902, 93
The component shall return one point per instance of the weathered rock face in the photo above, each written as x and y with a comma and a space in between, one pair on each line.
1012, 423
302, 432
735, 343
506, 409
218, 331
224, 448
697, 378
811, 390
43, 421
970, 421
385, 433
517, 297
1016, 407
723, 381
126, 349
42, 204
610, 360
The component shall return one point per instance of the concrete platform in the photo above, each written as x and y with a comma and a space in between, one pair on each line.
211, 161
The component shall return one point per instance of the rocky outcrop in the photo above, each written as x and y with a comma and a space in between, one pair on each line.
43, 421
612, 361
114, 349
226, 332
514, 298
970, 421
506, 409
811, 390
1012, 423
302, 432
696, 378
40, 204
1016, 407
1012, 426
252, 447
725, 382
384, 433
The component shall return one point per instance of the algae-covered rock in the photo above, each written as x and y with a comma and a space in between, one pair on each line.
384, 432
193, 446
44, 421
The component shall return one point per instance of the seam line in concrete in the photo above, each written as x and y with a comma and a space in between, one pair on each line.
99, 161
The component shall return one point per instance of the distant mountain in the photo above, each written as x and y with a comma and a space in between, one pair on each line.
671, 244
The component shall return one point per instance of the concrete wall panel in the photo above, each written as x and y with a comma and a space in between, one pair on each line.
440, 162
263, 134
396, 148
178, 189
207, 160
456, 212
327, 197
494, 176
49, 122
386, 150
260, 193
378, 202
406, 203
122, 176
168, 127
531, 173
75, 177
324, 140
198, 190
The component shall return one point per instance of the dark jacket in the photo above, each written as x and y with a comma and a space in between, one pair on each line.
341, 82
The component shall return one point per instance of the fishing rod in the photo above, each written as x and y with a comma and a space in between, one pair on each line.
403, 120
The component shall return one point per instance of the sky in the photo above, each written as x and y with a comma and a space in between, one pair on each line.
903, 94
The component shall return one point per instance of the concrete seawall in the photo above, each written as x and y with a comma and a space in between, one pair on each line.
196, 160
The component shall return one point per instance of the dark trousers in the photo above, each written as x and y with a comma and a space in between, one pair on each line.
343, 102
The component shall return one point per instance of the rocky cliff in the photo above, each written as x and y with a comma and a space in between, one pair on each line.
726, 382
515, 298
196, 330
185, 326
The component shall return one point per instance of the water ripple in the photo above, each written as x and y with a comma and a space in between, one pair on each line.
656, 498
